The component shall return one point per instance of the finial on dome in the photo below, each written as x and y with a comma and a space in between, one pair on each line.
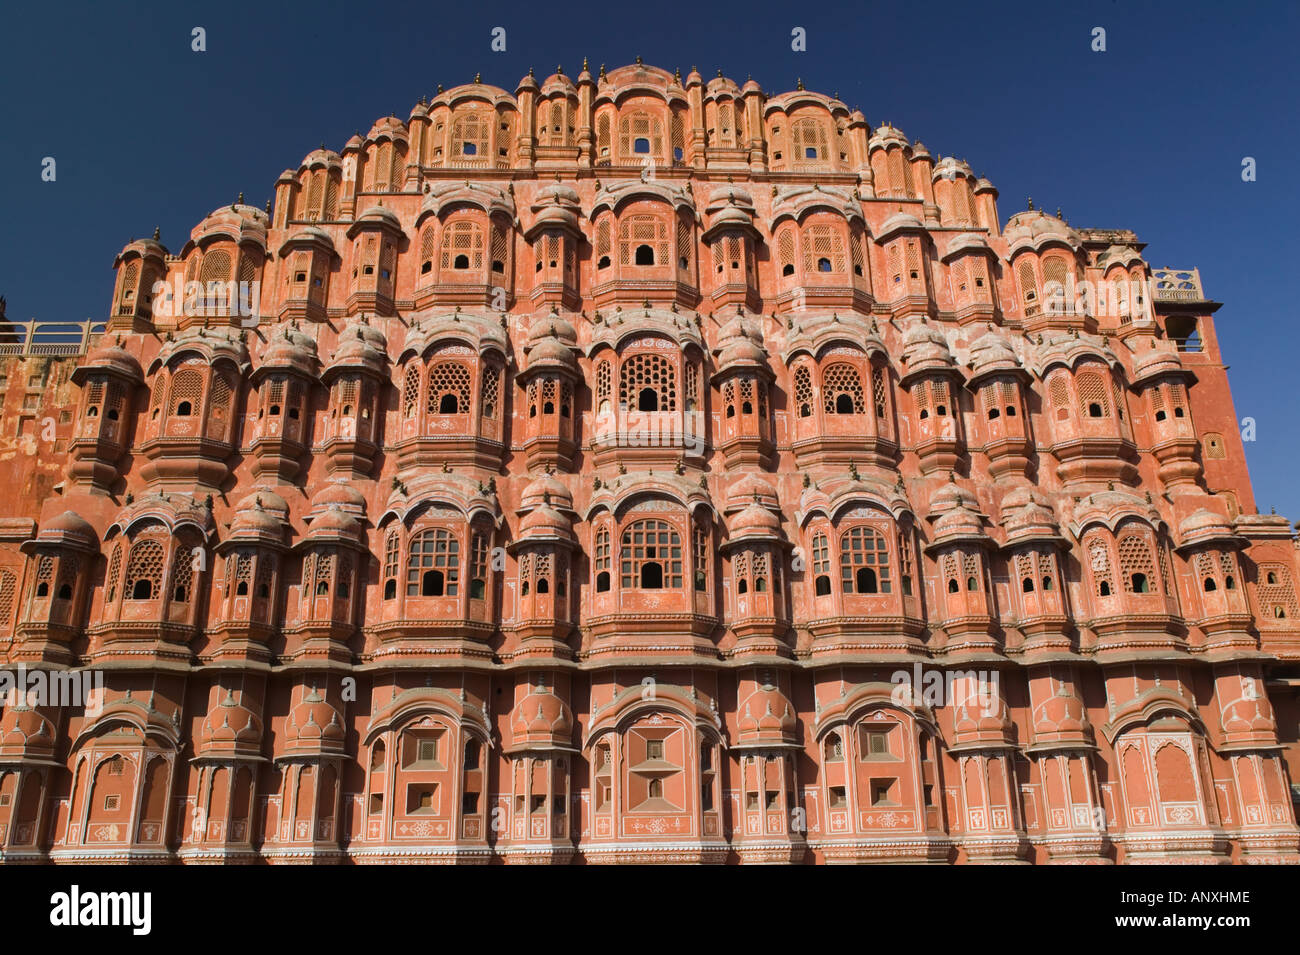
530, 73
719, 74
157, 233
559, 69
1058, 212
638, 61
240, 200
602, 71
1030, 200
677, 75
268, 207
584, 64
798, 84
440, 85
478, 77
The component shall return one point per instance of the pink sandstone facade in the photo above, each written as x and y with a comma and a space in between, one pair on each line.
592, 464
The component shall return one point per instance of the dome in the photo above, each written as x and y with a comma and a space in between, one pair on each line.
70, 530
959, 523
1204, 526
334, 522
264, 498
212, 344
553, 325
258, 523
749, 488
1158, 359
1061, 715
558, 83
546, 487
237, 222
290, 350
739, 343
112, 358
982, 717
313, 726
361, 347
1035, 229
230, 727
321, 157
951, 168
376, 216
388, 127
1249, 716
885, 136
966, 242
25, 733
754, 521
541, 719
551, 352
339, 494
545, 521
1025, 515
925, 348
766, 717
991, 353
949, 496
555, 205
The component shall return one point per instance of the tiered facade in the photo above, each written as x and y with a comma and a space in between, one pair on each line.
589, 467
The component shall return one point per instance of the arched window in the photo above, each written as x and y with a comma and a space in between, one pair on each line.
648, 382
1136, 564
842, 390
701, 543
821, 551
640, 134
808, 141
785, 251
462, 246
651, 556
1182, 330
186, 392
1099, 561
448, 388
1092, 395
864, 561
803, 391
1028, 286
478, 567
411, 393
643, 240
823, 250
144, 569
182, 585
433, 565
601, 562
469, 135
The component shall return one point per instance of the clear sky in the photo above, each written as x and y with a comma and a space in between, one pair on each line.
1148, 135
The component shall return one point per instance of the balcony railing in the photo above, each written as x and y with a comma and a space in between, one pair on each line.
49, 338
1178, 285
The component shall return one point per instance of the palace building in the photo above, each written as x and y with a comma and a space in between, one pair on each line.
637, 468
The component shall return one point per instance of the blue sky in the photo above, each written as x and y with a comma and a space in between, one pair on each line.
1148, 135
